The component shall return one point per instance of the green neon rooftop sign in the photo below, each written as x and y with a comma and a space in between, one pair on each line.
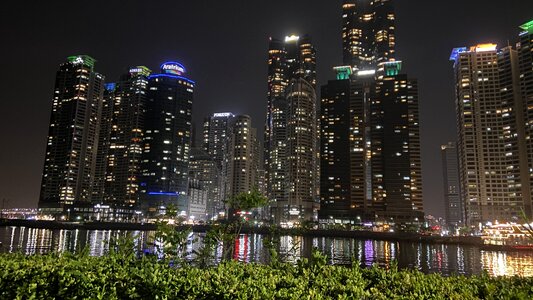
343, 72
82, 59
393, 68
140, 70
528, 26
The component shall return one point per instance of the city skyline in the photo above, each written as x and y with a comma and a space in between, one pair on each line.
20, 191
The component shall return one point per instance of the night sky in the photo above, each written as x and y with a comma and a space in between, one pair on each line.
223, 44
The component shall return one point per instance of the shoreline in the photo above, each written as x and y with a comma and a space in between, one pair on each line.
326, 233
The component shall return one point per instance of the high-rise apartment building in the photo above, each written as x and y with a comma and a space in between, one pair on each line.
202, 167
217, 132
452, 189
298, 199
124, 141
368, 33
335, 183
243, 162
490, 121
294, 57
98, 192
396, 174
525, 54
167, 139
370, 140
71, 152
197, 201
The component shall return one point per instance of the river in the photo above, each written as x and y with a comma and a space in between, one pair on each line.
428, 258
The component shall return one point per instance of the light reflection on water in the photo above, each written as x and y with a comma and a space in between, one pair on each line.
445, 259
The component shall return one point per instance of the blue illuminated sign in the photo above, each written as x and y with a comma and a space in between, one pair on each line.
173, 68
163, 194
171, 76
110, 86
456, 52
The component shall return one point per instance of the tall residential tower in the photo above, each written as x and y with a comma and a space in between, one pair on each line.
490, 122
452, 189
125, 137
167, 139
71, 152
368, 33
291, 64
370, 140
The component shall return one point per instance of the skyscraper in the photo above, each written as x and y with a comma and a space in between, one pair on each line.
452, 193
368, 33
335, 183
98, 191
395, 148
216, 143
202, 167
525, 54
197, 201
293, 58
243, 162
167, 139
490, 125
217, 129
299, 201
71, 151
370, 141
125, 137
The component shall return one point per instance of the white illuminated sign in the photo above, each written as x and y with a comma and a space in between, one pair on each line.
222, 115
136, 70
292, 38
78, 60
366, 72
173, 68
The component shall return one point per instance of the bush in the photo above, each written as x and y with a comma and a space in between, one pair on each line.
117, 276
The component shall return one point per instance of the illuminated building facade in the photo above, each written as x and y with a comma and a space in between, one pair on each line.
71, 151
368, 33
525, 54
452, 185
369, 126
202, 167
167, 139
396, 174
217, 132
125, 137
370, 148
292, 58
300, 192
490, 121
217, 129
98, 191
335, 180
243, 162
197, 201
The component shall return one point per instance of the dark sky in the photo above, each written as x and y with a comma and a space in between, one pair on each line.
223, 44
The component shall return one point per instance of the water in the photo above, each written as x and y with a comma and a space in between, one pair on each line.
444, 259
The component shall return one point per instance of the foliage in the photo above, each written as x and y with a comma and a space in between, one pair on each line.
247, 200
115, 276
171, 243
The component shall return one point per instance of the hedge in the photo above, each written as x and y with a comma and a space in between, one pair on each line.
79, 276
